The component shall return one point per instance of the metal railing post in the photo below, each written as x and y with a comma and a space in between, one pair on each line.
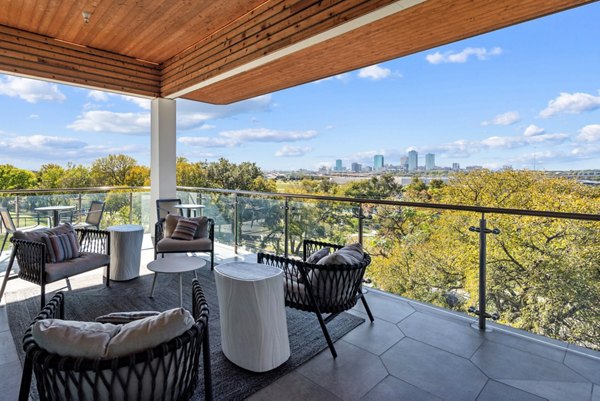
234, 224
79, 210
286, 227
361, 217
17, 212
131, 207
482, 271
482, 311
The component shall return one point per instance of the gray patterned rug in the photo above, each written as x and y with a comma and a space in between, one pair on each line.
229, 381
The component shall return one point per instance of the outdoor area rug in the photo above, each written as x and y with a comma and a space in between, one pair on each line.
229, 381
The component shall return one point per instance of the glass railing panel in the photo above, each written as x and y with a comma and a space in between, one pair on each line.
261, 224
543, 276
220, 208
321, 221
424, 254
24, 213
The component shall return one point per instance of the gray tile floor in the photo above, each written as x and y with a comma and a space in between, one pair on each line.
411, 352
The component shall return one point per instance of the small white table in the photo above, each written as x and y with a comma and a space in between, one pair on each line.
125, 251
186, 208
175, 264
55, 210
254, 332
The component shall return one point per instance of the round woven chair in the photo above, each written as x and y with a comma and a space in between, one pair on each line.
167, 372
322, 289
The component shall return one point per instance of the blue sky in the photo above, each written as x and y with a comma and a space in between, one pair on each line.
527, 92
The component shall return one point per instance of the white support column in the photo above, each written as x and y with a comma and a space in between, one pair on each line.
163, 153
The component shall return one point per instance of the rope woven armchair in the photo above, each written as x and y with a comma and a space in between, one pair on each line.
322, 289
166, 372
94, 248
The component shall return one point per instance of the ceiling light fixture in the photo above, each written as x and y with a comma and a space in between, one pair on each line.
86, 16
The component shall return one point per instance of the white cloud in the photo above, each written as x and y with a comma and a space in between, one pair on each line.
267, 135
207, 142
507, 118
208, 126
589, 133
98, 96
292, 151
30, 90
139, 101
345, 77
236, 138
108, 121
34, 116
533, 130
451, 57
374, 72
571, 103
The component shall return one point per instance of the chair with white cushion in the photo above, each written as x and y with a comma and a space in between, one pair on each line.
148, 359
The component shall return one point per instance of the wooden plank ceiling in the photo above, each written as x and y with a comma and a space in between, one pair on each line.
225, 51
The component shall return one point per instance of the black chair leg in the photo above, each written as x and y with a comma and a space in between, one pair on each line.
326, 334
212, 260
364, 302
108, 275
208, 395
7, 273
26, 380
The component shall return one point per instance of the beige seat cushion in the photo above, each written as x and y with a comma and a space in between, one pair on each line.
176, 245
171, 223
85, 262
105, 340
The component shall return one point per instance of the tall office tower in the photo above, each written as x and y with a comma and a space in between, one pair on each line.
429, 161
356, 167
338, 165
413, 160
455, 166
404, 163
378, 163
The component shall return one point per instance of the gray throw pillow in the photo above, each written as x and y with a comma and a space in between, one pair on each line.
171, 224
318, 255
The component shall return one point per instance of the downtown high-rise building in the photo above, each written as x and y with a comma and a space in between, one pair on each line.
356, 167
338, 165
429, 161
413, 160
455, 166
378, 163
404, 163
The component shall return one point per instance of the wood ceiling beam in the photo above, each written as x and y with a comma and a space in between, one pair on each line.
28, 54
271, 31
424, 26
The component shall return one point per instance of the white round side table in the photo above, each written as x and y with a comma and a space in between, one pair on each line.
254, 331
125, 251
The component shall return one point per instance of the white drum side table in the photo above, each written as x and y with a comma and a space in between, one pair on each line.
254, 332
125, 251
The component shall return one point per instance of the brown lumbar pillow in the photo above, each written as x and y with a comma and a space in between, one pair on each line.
185, 230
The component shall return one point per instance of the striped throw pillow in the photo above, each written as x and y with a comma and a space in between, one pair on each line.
61, 247
185, 230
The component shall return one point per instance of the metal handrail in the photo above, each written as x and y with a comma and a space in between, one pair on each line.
76, 190
468, 208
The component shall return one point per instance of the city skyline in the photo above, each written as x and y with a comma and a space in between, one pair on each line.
525, 95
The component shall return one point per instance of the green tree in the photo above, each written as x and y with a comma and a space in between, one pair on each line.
137, 176
76, 176
191, 174
12, 177
111, 170
380, 187
51, 176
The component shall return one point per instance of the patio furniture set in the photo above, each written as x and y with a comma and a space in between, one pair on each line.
252, 299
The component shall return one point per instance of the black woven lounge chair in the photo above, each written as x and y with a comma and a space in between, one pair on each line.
166, 372
322, 289
94, 247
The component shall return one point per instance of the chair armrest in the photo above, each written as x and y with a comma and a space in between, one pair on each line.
159, 231
211, 229
96, 241
31, 257
292, 268
199, 304
54, 309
